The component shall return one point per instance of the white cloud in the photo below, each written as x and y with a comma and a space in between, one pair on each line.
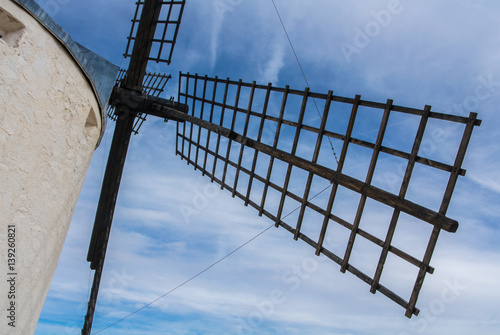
271, 70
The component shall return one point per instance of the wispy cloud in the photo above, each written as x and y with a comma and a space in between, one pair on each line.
270, 71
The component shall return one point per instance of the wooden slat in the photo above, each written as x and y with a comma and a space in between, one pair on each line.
210, 120
242, 147
293, 151
458, 163
178, 99
368, 181
431, 245
275, 145
233, 120
259, 138
315, 157
201, 116
220, 123
340, 166
186, 102
194, 109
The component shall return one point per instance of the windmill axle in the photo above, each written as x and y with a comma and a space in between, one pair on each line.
131, 101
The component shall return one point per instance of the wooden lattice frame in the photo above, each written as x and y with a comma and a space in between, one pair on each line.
212, 133
166, 34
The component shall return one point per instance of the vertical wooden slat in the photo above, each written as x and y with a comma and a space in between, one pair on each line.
369, 177
275, 145
220, 123
185, 124
149, 81
458, 163
233, 121
210, 120
442, 210
340, 166
315, 157
201, 117
259, 138
160, 49
431, 245
294, 150
194, 111
177, 123
402, 194
176, 32
245, 131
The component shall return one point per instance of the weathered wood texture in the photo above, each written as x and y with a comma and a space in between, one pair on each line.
146, 23
153, 85
257, 143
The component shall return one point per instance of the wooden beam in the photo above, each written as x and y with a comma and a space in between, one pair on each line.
130, 101
118, 152
418, 211
142, 45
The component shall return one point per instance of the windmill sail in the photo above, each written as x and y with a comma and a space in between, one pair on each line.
152, 37
269, 147
165, 35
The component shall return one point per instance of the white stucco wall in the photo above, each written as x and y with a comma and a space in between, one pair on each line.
50, 123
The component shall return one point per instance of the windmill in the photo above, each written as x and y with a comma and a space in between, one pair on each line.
222, 135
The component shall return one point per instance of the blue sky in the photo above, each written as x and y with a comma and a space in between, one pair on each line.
445, 54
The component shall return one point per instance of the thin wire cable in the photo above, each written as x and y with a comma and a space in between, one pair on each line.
303, 74
190, 279
207, 268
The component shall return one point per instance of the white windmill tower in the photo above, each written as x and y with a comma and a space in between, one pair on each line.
53, 92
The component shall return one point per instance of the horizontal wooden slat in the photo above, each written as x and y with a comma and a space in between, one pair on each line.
391, 151
378, 105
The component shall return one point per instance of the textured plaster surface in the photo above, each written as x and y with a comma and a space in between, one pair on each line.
49, 127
